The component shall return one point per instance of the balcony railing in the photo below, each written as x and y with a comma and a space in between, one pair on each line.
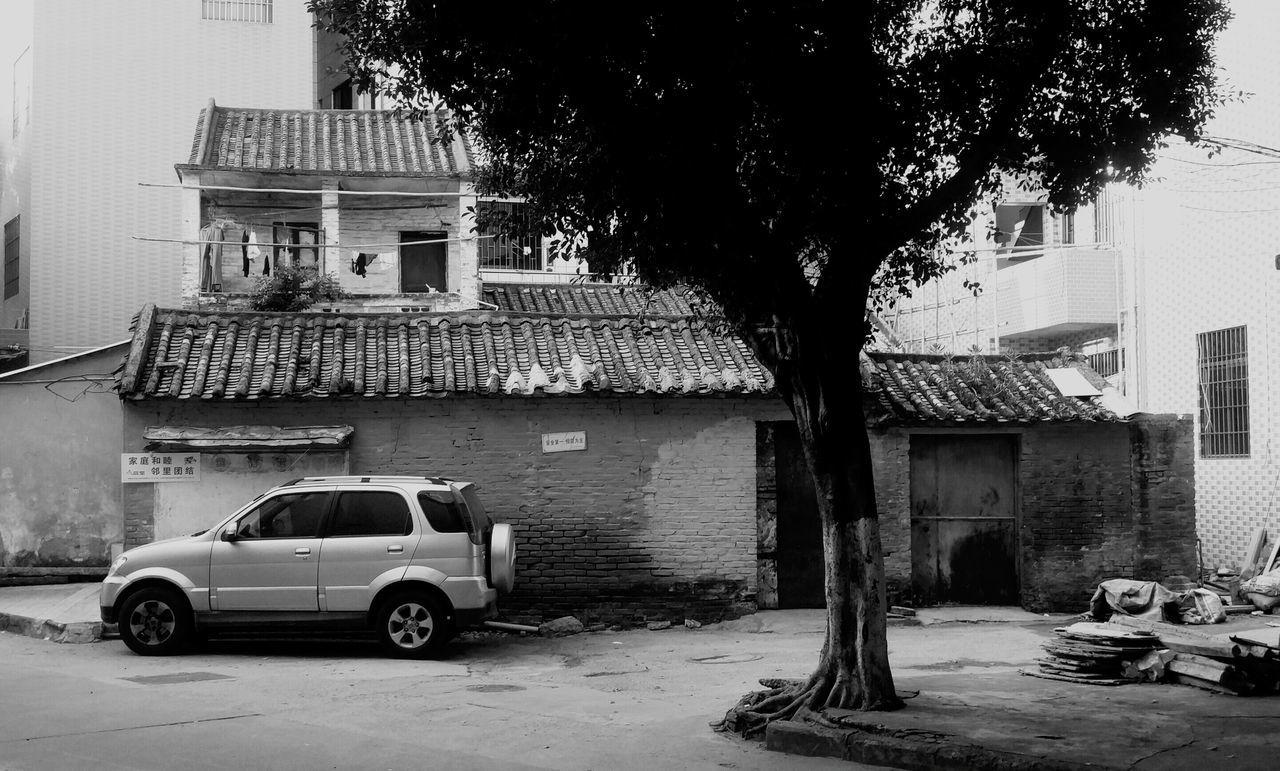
1060, 291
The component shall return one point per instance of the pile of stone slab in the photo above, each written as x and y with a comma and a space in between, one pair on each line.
1101, 654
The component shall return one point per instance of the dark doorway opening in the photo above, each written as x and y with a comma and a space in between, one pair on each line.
799, 528
423, 266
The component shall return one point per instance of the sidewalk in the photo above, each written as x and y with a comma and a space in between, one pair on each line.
64, 613
959, 670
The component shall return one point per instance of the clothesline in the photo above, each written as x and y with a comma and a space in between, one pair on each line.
304, 245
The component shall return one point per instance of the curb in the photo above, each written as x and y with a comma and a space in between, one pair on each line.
910, 749
56, 631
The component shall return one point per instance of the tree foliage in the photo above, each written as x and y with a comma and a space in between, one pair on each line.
799, 162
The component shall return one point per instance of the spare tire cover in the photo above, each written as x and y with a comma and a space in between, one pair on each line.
502, 557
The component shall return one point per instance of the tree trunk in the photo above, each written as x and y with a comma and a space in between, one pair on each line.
826, 400
853, 670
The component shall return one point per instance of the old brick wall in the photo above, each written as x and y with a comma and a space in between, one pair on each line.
891, 464
1077, 520
1164, 496
656, 519
1105, 501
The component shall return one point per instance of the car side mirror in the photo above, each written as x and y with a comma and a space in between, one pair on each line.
229, 533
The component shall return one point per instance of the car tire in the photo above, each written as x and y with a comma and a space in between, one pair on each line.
502, 558
156, 621
412, 625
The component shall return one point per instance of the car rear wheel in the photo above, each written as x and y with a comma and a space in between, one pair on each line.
412, 625
155, 621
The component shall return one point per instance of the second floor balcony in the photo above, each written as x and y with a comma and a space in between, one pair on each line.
1057, 291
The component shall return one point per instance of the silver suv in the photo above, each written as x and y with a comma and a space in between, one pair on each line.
414, 559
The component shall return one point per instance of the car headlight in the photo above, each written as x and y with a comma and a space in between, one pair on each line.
116, 564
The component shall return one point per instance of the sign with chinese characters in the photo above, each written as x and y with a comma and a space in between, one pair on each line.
565, 441
160, 467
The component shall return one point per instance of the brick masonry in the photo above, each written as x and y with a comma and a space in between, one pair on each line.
1095, 501
655, 520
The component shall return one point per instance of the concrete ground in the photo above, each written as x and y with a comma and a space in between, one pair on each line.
960, 670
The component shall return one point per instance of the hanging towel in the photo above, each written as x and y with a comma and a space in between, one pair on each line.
244, 252
211, 258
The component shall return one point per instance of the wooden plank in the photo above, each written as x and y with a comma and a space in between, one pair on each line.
1199, 666
1271, 560
1253, 552
1208, 685
1268, 638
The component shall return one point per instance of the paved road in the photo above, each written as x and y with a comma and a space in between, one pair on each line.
628, 700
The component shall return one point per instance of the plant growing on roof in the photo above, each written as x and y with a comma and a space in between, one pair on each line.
294, 288
701, 144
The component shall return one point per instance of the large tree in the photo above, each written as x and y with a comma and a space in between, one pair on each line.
795, 161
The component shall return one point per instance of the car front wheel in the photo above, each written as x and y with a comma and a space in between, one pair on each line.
155, 621
412, 626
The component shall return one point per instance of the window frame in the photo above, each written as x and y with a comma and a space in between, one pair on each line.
251, 11
1222, 382
498, 251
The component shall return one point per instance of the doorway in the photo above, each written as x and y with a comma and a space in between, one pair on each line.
423, 266
799, 528
964, 519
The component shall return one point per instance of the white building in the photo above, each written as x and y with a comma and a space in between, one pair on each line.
1172, 289
100, 98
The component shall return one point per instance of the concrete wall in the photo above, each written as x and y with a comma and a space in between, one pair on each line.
60, 503
117, 90
655, 519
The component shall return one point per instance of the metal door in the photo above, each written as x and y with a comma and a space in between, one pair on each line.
963, 519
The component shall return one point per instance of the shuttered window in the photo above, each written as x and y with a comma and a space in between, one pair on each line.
236, 10
12, 264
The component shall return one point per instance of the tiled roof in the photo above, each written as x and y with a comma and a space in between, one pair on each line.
588, 300
343, 142
596, 343
921, 389
251, 356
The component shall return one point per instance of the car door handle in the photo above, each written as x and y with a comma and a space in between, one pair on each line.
302, 551
395, 548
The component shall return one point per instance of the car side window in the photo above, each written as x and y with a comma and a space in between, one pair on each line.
371, 513
442, 512
293, 515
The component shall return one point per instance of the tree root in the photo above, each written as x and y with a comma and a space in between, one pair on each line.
786, 699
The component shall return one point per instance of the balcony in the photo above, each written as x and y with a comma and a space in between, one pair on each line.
1058, 291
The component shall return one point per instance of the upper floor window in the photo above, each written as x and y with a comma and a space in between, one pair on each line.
306, 234
346, 96
1223, 358
12, 264
515, 244
343, 96
21, 91
236, 10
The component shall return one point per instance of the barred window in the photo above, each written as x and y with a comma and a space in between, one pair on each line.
515, 244
236, 10
1223, 357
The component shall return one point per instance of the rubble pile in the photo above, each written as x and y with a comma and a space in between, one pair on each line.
1101, 654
